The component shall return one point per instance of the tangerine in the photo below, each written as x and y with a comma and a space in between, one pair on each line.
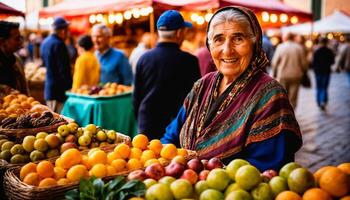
59, 173
140, 141
98, 170
63, 181
26, 169
70, 158
119, 165
123, 150
77, 172
112, 156
147, 155
345, 167
133, 164
32, 179
168, 151
135, 153
182, 152
98, 157
319, 173
288, 195
316, 194
156, 146
110, 170
335, 182
47, 182
45, 169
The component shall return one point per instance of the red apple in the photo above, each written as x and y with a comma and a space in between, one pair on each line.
138, 175
174, 169
155, 171
269, 174
203, 175
190, 175
214, 163
195, 164
70, 138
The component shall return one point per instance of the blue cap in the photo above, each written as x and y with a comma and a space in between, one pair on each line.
171, 20
60, 22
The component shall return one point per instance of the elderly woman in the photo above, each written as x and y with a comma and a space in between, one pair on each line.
238, 111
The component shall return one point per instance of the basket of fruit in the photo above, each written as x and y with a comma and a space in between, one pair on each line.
104, 91
33, 180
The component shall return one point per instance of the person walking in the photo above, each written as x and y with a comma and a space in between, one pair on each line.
11, 71
56, 59
288, 65
322, 60
343, 61
86, 69
143, 46
164, 76
114, 65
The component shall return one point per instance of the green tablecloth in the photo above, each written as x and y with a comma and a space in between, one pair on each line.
110, 113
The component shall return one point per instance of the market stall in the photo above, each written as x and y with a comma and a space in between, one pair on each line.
6, 11
112, 112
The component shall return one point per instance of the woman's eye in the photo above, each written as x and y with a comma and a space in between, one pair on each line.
237, 39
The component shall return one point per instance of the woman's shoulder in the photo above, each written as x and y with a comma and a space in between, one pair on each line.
267, 83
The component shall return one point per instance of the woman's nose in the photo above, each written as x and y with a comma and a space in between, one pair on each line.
227, 47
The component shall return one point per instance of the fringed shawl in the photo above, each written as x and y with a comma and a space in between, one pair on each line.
257, 108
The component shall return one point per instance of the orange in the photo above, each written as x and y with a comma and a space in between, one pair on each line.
135, 153
316, 194
123, 150
93, 150
85, 161
345, 198
169, 151
151, 161
163, 160
59, 173
119, 165
288, 195
319, 172
335, 182
147, 155
98, 157
58, 163
26, 169
110, 170
45, 169
77, 172
140, 141
98, 170
112, 156
48, 182
345, 167
32, 179
133, 164
156, 146
182, 152
63, 181
70, 158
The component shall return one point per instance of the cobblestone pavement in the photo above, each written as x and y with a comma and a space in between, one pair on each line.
326, 134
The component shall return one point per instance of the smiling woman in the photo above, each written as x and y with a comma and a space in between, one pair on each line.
238, 111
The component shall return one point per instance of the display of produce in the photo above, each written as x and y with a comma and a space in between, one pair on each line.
34, 72
44, 145
107, 89
98, 163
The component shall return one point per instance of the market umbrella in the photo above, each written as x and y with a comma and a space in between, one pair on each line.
6, 10
338, 21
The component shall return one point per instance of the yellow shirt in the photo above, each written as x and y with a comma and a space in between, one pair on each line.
86, 70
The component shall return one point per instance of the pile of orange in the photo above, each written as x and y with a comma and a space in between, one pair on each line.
72, 165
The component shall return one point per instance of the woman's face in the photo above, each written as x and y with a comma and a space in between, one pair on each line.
231, 49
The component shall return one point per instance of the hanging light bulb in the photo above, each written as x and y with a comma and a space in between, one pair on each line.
273, 18
265, 16
208, 16
294, 19
283, 18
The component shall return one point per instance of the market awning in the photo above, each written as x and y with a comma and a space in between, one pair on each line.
267, 5
70, 8
338, 21
6, 10
188, 5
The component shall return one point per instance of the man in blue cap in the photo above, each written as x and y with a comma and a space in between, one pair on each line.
164, 76
56, 59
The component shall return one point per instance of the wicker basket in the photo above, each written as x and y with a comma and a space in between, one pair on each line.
16, 189
17, 135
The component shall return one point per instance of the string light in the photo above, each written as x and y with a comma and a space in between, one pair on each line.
273, 18
294, 19
283, 18
265, 16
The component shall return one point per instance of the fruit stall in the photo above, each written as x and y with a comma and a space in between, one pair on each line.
108, 105
45, 156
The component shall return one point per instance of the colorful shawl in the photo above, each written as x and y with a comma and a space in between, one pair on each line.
256, 108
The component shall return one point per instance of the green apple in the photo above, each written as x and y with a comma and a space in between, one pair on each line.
63, 130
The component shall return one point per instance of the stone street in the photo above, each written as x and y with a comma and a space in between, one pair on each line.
326, 134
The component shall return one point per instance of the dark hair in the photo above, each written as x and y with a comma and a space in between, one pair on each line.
6, 27
324, 40
85, 41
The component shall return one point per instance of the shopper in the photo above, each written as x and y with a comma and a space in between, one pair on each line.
143, 46
164, 76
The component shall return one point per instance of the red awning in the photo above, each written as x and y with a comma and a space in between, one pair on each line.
8, 11
188, 5
70, 8
267, 5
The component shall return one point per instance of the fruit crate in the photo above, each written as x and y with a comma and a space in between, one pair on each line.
15, 189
